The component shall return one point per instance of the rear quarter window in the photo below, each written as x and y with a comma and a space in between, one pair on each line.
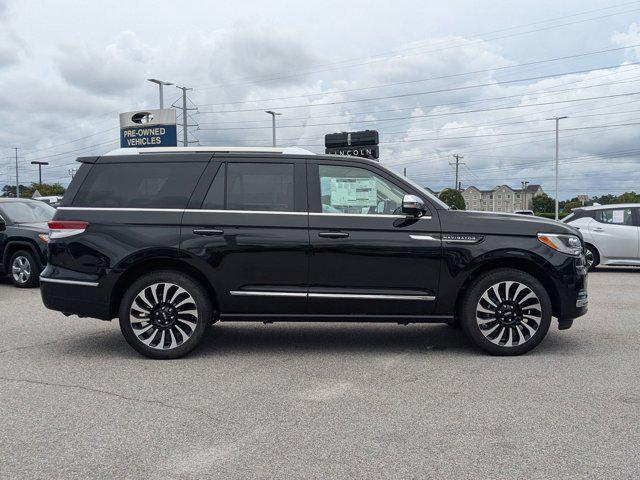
139, 185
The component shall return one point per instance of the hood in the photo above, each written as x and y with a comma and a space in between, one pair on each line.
32, 226
494, 223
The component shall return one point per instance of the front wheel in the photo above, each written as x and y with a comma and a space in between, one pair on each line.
591, 257
24, 269
506, 312
165, 314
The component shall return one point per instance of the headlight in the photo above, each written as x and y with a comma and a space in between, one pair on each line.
569, 244
44, 237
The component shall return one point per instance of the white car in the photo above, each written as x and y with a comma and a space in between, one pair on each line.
611, 233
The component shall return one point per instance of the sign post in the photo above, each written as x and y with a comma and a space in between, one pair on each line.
357, 144
149, 128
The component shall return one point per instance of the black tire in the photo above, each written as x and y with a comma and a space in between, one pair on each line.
24, 270
170, 303
511, 325
590, 251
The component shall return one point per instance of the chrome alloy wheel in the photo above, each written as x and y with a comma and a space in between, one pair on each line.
21, 269
509, 314
163, 316
588, 255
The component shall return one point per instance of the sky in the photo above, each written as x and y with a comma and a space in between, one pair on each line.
474, 78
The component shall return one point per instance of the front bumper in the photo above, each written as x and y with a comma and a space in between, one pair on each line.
571, 287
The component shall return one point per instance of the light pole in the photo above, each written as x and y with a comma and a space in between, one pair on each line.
273, 123
40, 164
557, 120
160, 85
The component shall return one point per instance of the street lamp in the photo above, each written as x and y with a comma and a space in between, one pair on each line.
557, 120
160, 84
40, 164
273, 123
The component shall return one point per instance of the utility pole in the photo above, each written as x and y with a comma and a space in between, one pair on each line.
524, 203
72, 172
185, 118
405, 171
160, 84
17, 178
40, 164
457, 164
273, 123
557, 120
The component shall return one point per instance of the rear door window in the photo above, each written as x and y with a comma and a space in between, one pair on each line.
615, 216
139, 185
260, 186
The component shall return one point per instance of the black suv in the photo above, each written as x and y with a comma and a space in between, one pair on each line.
172, 240
24, 234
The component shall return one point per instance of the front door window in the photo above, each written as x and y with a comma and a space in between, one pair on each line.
353, 190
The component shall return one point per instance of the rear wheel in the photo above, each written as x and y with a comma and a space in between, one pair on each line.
591, 256
24, 269
165, 314
506, 312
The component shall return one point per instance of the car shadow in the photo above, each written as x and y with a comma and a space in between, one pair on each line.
615, 270
227, 339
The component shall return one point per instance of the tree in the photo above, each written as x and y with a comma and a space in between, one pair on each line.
10, 190
453, 198
629, 197
48, 189
543, 204
45, 190
570, 205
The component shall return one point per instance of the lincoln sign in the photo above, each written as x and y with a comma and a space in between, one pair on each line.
150, 128
357, 144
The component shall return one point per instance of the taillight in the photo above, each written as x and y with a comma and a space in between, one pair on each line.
66, 228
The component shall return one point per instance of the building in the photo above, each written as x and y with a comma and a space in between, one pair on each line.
501, 198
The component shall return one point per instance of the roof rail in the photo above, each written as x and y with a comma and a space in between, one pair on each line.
142, 151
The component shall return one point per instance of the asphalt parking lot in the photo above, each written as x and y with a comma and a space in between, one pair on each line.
321, 401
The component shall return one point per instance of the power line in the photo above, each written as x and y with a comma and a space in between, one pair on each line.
442, 77
433, 115
413, 107
429, 92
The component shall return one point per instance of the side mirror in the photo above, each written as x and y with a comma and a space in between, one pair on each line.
3, 224
412, 205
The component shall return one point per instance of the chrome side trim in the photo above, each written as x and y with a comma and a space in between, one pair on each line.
357, 296
175, 210
109, 209
368, 296
368, 215
424, 237
257, 293
263, 212
68, 282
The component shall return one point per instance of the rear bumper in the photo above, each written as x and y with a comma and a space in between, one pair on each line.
74, 296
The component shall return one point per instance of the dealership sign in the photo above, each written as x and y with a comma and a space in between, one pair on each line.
357, 144
149, 128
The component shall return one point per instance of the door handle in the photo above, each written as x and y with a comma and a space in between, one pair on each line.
209, 232
598, 229
333, 234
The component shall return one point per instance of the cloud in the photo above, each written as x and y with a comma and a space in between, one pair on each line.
631, 39
12, 45
263, 54
112, 70
77, 91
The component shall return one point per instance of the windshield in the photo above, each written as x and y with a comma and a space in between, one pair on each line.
27, 212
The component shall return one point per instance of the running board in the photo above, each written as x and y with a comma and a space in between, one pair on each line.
292, 317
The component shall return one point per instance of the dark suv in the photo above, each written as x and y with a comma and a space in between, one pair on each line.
172, 240
24, 234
